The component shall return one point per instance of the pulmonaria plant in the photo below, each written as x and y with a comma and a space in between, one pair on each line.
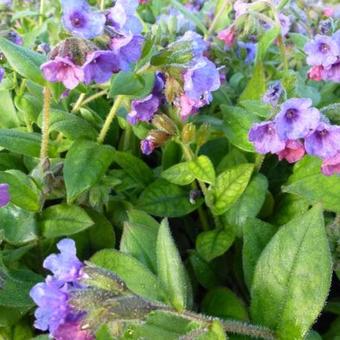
54, 313
4, 194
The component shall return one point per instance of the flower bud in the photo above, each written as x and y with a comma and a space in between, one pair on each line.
163, 123
202, 134
188, 133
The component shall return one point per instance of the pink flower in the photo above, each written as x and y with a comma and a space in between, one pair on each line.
316, 73
227, 36
328, 11
331, 165
72, 330
293, 151
63, 70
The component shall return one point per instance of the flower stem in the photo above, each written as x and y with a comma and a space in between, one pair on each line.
91, 98
109, 119
45, 125
41, 12
78, 103
102, 5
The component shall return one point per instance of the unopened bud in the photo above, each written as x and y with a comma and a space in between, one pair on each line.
163, 123
202, 134
188, 133
173, 89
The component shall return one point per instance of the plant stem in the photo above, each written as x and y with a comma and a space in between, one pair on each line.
78, 103
109, 119
91, 98
41, 12
216, 18
45, 125
102, 5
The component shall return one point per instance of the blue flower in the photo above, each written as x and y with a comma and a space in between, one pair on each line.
250, 49
81, 20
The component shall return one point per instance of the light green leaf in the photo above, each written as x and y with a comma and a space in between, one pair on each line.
86, 162
228, 188
63, 220
266, 41
213, 243
256, 86
203, 169
137, 277
293, 276
179, 174
171, 270
8, 115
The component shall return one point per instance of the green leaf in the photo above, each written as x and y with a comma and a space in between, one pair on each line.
132, 84
63, 220
134, 166
19, 226
8, 115
223, 303
256, 86
23, 60
137, 277
228, 188
266, 41
293, 276
23, 191
162, 198
203, 169
250, 203
179, 174
256, 235
171, 270
23, 143
86, 162
238, 122
139, 238
308, 181
213, 243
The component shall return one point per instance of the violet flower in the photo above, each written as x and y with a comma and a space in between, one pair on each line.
323, 50
332, 73
99, 66
296, 119
81, 20
331, 166
63, 70
72, 330
2, 73
284, 23
15, 38
4, 194
273, 94
265, 138
324, 142
198, 44
250, 49
147, 145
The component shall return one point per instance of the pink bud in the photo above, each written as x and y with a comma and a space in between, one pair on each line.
328, 11
316, 73
293, 151
227, 36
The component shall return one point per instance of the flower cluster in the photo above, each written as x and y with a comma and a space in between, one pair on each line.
297, 129
323, 55
123, 49
54, 313
4, 194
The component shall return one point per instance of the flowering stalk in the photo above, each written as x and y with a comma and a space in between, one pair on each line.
45, 125
109, 119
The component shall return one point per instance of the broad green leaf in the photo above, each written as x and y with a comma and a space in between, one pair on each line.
228, 188
258, 107
23, 143
179, 174
19, 226
134, 166
22, 189
162, 198
250, 203
238, 122
214, 243
23, 60
139, 238
137, 277
203, 169
293, 276
171, 270
266, 41
132, 84
224, 303
86, 162
256, 86
298, 39
308, 181
64, 220
233, 158
256, 235
8, 116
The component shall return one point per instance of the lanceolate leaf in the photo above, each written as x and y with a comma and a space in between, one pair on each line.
203, 169
292, 277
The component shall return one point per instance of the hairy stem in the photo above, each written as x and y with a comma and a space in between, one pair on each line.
109, 119
78, 103
45, 125
91, 98
102, 5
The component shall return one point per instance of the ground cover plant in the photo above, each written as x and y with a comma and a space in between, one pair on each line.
169, 169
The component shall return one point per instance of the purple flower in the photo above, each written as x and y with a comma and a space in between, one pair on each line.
332, 73
4, 194
285, 24
201, 78
144, 109
15, 38
63, 70
189, 107
2, 73
273, 94
72, 330
147, 145
65, 266
81, 20
296, 119
127, 49
122, 17
265, 138
99, 66
250, 49
324, 142
323, 50
331, 165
